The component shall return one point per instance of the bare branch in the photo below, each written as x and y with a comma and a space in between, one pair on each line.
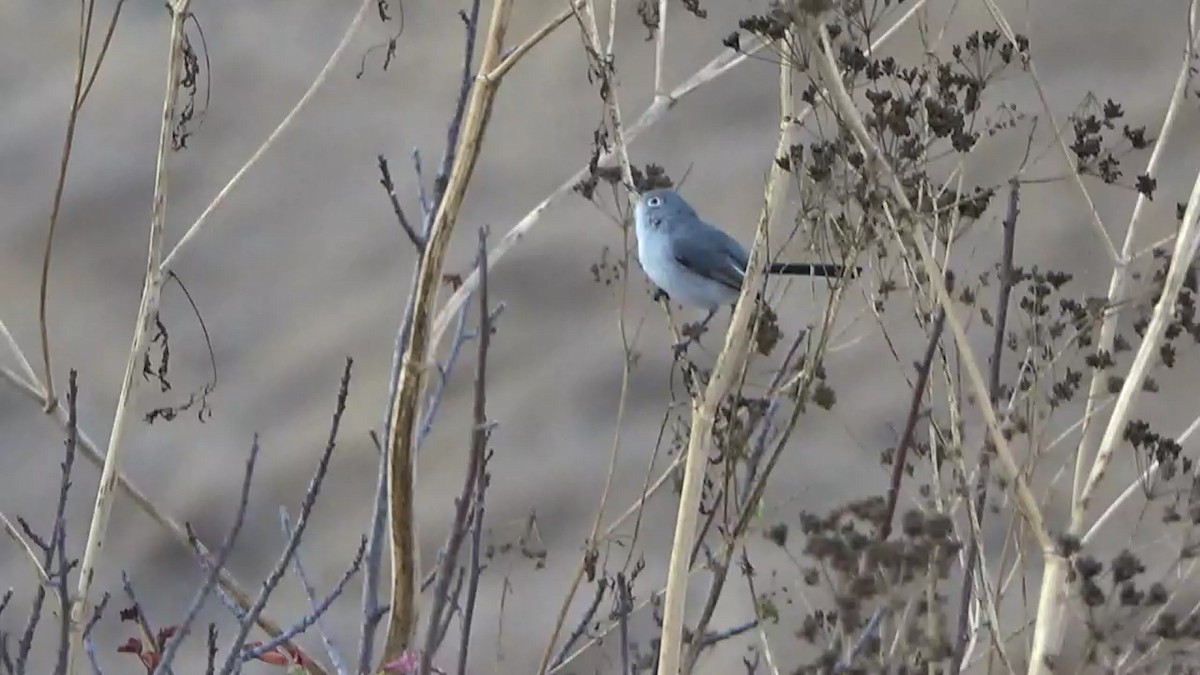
581, 626
900, 459
385, 173
730, 361
306, 505
215, 566
317, 608
89, 647
479, 435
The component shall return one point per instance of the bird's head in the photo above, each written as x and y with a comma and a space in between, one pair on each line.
659, 210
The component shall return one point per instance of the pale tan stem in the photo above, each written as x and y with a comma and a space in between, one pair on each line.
279, 129
151, 290
730, 362
405, 406
660, 48
1120, 276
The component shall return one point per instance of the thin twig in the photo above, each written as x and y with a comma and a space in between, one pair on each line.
88, 646
210, 666
139, 615
30, 380
517, 53
24, 544
479, 434
306, 505
218, 562
286, 122
475, 459
371, 614
712, 639
54, 551
427, 207
581, 626
86, 8
660, 48
900, 458
602, 65
108, 36
730, 361
434, 401
454, 130
624, 603
385, 180
1007, 281
869, 631
748, 504
316, 608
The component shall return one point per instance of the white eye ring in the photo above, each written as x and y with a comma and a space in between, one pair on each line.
654, 201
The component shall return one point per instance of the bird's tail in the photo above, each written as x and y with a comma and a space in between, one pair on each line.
813, 269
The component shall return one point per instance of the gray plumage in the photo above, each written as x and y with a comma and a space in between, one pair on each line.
696, 263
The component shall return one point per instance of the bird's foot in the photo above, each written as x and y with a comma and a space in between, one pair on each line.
660, 295
680, 348
693, 331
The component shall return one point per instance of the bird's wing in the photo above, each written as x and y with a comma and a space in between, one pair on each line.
712, 254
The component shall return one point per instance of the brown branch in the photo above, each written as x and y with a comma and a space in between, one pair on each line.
479, 438
910, 425
77, 98
1007, 280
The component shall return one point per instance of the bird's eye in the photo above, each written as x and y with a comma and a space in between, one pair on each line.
654, 201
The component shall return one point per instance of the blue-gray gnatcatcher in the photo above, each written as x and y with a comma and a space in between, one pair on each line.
694, 263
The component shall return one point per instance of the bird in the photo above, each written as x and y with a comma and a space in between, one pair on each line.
697, 264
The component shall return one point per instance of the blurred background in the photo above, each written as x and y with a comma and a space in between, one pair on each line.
304, 265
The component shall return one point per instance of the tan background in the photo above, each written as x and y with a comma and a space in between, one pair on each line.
304, 265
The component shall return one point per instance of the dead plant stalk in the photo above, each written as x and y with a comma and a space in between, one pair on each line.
729, 363
151, 290
402, 615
